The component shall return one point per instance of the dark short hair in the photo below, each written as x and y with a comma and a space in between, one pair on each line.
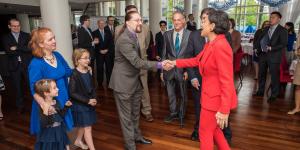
232, 21
84, 18
220, 19
129, 15
13, 19
128, 7
276, 13
190, 15
207, 11
107, 18
162, 21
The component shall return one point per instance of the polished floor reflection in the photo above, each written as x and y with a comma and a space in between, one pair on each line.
256, 125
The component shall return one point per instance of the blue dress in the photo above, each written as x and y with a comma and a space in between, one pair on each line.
83, 114
40, 69
53, 134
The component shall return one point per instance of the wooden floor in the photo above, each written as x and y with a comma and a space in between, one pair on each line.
255, 124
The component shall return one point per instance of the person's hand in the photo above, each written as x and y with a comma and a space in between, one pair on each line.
222, 120
96, 41
92, 102
168, 64
162, 77
195, 83
185, 76
47, 109
157, 58
13, 48
68, 103
104, 51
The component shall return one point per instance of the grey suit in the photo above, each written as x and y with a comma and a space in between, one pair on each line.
126, 83
175, 76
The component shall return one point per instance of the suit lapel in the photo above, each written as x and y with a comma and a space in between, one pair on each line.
205, 55
13, 38
183, 42
172, 43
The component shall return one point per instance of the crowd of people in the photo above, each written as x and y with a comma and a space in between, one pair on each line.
65, 98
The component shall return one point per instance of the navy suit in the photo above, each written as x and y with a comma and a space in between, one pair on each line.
18, 61
101, 59
159, 43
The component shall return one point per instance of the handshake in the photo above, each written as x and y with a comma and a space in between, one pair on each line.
168, 64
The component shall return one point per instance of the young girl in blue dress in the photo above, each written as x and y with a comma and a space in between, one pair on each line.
83, 97
53, 133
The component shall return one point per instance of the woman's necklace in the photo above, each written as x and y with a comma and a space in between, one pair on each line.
50, 60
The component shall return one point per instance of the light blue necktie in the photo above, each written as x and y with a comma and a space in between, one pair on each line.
177, 44
102, 35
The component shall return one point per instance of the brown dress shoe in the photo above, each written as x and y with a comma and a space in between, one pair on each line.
149, 117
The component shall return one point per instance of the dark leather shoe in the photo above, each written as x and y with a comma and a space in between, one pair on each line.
195, 136
143, 141
272, 99
170, 118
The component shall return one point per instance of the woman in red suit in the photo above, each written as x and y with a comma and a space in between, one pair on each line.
215, 66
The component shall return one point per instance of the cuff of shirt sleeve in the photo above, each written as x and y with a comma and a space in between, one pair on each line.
159, 65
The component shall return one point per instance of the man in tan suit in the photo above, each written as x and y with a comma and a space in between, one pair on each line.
144, 40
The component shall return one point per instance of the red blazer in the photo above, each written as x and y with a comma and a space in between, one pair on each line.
215, 64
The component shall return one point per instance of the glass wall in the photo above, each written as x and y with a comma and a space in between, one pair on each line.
249, 15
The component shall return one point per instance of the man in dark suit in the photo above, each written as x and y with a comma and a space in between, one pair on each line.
195, 46
126, 82
103, 52
85, 37
272, 43
159, 39
19, 56
110, 25
191, 24
175, 44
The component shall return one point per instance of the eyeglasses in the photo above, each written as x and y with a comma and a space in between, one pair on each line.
137, 20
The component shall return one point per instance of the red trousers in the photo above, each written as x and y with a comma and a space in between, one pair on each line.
209, 132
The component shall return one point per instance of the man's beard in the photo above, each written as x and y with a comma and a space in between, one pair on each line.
138, 29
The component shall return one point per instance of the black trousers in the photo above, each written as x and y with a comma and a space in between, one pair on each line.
19, 77
104, 59
274, 69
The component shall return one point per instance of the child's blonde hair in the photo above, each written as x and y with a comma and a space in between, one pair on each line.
43, 86
77, 54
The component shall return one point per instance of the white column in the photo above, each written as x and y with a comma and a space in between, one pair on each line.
155, 15
129, 2
201, 5
118, 6
122, 8
101, 8
144, 8
24, 21
55, 15
97, 9
138, 5
106, 8
188, 6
